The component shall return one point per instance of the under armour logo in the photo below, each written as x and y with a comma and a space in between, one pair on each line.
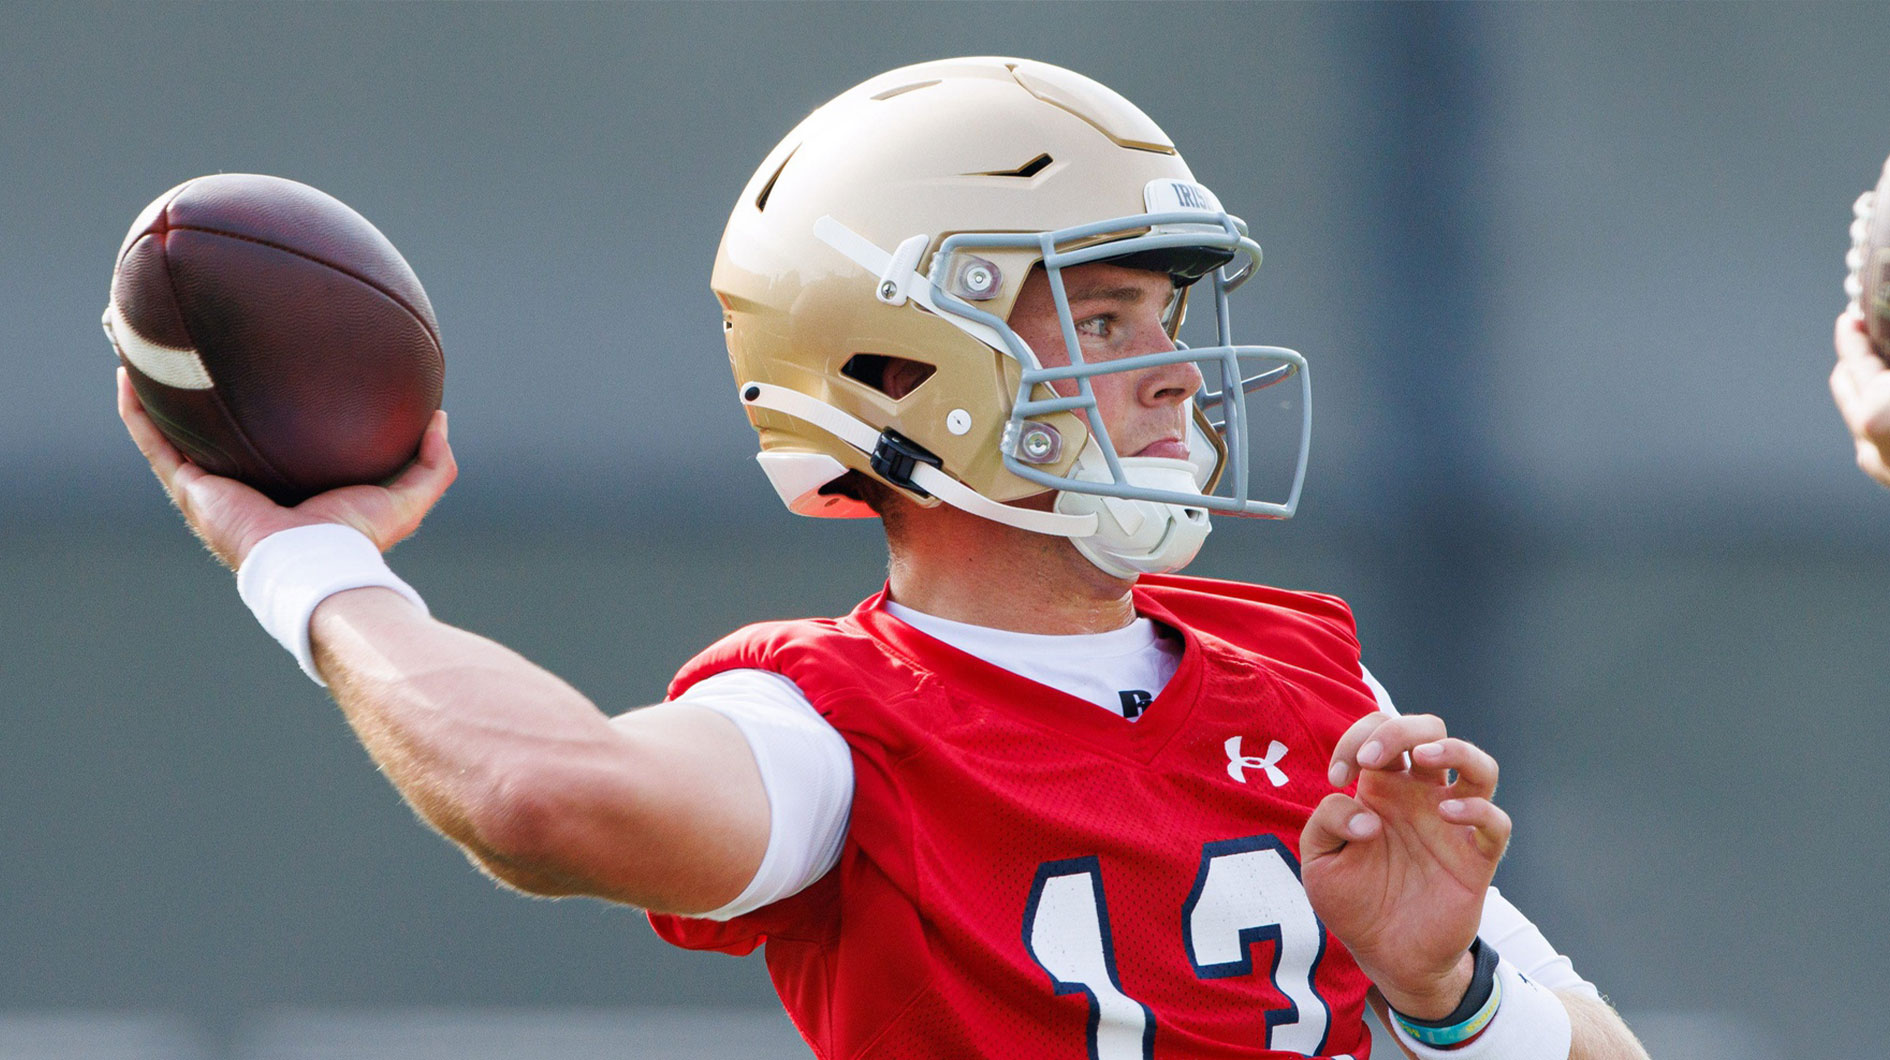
1238, 764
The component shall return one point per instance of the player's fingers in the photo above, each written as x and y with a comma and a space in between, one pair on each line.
1843, 388
435, 446
1385, 747
1476, 768
1487, 819
1844, 395
434, 468
1861, 390
1863, 398
1851, 340
1860, 381
163, 456
1871, 461
1336, 821
1849, 333
1343, 768
412, 493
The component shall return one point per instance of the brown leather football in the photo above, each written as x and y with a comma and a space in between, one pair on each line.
1869, 261
274, 335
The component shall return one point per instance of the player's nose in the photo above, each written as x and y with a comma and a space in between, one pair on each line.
1167, 384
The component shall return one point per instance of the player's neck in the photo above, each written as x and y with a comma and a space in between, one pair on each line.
957, 566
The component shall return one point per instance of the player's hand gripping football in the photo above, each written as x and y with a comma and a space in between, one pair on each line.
1860, 383
231, 517
1399, 871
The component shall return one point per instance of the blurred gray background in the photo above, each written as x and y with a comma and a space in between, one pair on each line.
1565, 275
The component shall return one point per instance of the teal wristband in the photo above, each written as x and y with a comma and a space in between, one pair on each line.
1472, 1015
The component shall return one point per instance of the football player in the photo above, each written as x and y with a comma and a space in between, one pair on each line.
1039, 796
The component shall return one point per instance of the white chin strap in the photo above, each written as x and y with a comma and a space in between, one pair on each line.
1122, 537
1133, 536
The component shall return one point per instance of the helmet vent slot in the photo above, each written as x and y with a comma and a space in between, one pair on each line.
761, 200
1027, 170
894, 377
903, 89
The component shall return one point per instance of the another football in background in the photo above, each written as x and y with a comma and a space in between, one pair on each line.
1869, 261
274, 335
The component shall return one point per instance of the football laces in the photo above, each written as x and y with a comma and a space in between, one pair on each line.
1861, 212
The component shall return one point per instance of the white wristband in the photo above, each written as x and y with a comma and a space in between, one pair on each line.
1530, 1024
291, 571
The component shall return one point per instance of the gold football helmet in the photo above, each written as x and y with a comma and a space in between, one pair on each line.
899, 221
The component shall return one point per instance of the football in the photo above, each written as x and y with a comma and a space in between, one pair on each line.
274, 335
1868, 284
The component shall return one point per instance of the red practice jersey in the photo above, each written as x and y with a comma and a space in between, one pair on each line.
1027, 874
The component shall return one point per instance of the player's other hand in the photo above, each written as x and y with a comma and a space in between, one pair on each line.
231, 517
1860, 383
1399, 871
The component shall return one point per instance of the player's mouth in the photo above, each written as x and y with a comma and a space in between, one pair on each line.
1171, 448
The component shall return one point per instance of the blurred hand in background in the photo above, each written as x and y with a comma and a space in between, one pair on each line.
1860, 383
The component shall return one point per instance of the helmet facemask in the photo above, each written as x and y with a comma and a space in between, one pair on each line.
1152, 512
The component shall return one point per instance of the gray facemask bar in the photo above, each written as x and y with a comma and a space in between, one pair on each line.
1204, 229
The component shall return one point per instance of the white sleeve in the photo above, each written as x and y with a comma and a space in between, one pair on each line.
1521, 943
1378, 691
1504, 926
806, 770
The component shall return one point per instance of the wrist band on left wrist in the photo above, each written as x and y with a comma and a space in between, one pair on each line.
1527, 1022
1472, 1014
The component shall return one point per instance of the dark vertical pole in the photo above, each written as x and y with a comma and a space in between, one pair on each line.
1421, 154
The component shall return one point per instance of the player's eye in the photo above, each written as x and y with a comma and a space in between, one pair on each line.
1100, 326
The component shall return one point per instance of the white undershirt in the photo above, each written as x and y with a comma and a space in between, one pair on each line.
807, 769
1119, 671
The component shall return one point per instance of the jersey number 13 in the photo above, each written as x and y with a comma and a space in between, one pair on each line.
1246, 891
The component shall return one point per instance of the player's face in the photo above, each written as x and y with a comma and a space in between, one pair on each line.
1119, 313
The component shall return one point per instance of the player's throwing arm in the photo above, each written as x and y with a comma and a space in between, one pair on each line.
244, 383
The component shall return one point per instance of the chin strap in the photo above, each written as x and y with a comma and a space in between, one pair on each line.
859, 435
1122, 537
